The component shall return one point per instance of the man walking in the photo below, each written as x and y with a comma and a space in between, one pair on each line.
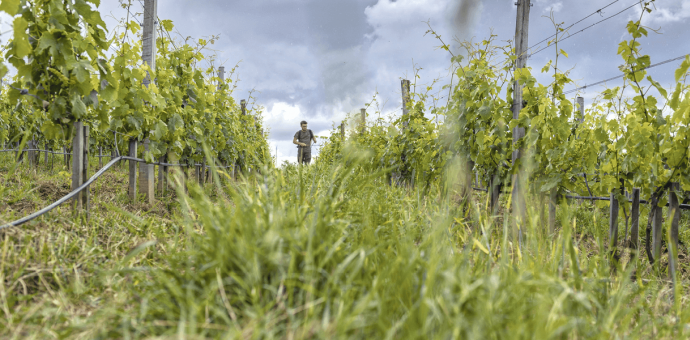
303, 140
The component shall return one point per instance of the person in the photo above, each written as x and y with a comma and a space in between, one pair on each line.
303, 139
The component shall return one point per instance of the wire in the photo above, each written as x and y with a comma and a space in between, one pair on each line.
579, 21
621, 76
588, 27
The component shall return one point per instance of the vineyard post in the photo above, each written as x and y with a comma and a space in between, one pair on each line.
674, 214
635, 219
405, 87
364, 119
581, 108
86, 200
100, 157
342, 131
132, 170
656, 233
148, 56
202, 172
31, 154
146, 177
552, 210
45, 147
162, 175
77, 163
521, 34
613, 221
243, 106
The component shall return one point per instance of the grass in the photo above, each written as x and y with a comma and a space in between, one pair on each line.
319, 252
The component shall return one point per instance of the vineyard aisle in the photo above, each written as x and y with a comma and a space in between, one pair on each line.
140, 199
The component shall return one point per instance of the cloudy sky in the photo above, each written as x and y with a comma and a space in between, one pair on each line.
320, 59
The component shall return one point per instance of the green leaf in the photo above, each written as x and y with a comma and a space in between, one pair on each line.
683, 69
167, 25
78, 107
10, 7
21, 41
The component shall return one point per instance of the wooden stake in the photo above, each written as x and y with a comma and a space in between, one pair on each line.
635, 218
342, 131
77, 163
132, 190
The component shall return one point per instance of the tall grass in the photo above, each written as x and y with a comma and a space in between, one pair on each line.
334, 252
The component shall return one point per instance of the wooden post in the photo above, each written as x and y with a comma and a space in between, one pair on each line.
31, 154
45, 147
364, 120
674, 215
405, 85
162, 178
494, 194
77, 163
132, 190
521, 46
148, 51
656, 234
86, 199
613, 221
202, 173
342, 131
635, 218
221, 75
146, 178
552, 210
100, 157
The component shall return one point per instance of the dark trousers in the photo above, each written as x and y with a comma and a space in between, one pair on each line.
303, 155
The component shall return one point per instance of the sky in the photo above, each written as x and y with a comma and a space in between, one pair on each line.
317, 60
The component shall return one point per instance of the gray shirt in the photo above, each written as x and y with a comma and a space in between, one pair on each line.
304, 137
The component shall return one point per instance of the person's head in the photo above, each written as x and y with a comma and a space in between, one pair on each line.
303, 124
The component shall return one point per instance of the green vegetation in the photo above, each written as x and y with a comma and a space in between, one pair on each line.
381, 238
320, 252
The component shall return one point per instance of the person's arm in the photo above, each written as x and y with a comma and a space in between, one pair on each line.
294, 141
314, 138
